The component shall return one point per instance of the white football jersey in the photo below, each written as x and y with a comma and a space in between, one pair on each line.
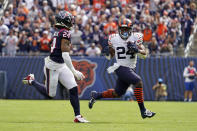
123, 56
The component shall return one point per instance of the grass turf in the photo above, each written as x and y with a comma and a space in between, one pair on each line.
55, 115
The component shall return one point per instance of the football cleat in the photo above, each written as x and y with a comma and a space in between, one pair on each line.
147, 113
93, 99
80, 119
28, 80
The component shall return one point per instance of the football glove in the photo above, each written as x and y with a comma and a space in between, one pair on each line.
106, 51
78, 75
132, 47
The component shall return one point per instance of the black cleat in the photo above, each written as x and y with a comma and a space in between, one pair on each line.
93, 99
147, 113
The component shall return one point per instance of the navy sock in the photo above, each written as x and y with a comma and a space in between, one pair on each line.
41, 88
74, 100
141, 106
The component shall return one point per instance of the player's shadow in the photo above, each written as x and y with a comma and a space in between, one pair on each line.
54, 122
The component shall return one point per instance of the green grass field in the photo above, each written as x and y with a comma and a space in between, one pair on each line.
30, 115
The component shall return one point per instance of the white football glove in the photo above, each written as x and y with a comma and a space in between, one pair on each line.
78, 75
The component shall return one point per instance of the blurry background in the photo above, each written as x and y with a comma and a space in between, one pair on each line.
26, 28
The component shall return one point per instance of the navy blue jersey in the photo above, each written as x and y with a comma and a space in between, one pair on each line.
56, 53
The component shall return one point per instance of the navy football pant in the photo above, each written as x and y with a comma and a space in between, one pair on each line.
126, 77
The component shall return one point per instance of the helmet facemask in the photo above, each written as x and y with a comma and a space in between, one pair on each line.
124, 32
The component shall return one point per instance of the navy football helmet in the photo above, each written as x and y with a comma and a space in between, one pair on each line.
64, 19
125, 28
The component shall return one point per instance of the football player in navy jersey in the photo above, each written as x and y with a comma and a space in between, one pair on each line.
58, 66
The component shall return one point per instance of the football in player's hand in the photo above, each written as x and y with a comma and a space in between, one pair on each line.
112, 52
109, 51
132, 47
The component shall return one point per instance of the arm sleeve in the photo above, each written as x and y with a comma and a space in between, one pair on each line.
68, 61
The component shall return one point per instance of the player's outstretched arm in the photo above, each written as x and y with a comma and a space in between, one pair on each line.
109, 52
65, 47
142, 51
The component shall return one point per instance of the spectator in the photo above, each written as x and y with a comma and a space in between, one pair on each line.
166, 48
110, 26
87, 34
44, 43
188, 27
97, 4
16, 27
95, 18
23, 42
141, 23
153, 47
11, 43
161, 28
190, 75
96, 34
82, 49
4, 30
8, 19
1, 43
192, 11
147, 33
34, 47
76, 36
104, 39
93, 50
21, 16
160, 90
33, 13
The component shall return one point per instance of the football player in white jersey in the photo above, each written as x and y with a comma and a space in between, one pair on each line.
126, 46
58, 66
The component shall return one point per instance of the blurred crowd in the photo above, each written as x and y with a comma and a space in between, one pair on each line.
27, 25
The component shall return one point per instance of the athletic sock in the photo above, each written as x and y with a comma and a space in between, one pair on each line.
41, 88
74, 100
138, 92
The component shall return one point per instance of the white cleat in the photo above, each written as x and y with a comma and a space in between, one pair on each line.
28, 80
80, 119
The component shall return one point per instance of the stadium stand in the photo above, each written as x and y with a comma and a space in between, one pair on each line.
166, 24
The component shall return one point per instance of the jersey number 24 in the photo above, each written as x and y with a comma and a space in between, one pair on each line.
121, 53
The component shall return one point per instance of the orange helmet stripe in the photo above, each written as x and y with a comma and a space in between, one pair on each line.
124, 22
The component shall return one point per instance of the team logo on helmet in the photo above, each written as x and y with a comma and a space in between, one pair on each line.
88, 69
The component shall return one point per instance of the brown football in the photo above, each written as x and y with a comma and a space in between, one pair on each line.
112, 52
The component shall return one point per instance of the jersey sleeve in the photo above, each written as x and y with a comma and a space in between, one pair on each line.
111, 39
65, 34
139, 38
